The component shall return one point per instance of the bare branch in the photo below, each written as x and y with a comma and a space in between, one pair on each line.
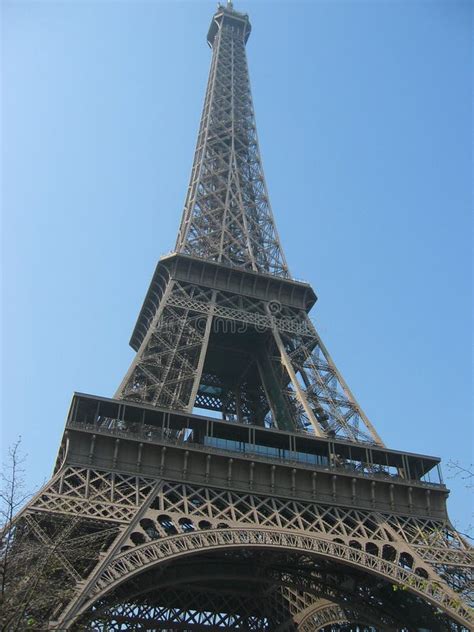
463, 472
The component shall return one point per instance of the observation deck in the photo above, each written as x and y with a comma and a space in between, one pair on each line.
144, 440
227, 15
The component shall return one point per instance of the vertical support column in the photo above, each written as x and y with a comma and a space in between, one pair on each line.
293, 481
208, 467
116, 449
185, 464
163, 457
229, 472
88, 480
354, 490
139, 456
314, 477
92, 448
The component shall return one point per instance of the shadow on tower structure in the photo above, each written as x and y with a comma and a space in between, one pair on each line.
278, 507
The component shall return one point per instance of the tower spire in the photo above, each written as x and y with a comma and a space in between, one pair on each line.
227, 216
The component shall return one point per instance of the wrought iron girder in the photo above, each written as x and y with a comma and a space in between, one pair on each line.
95, 494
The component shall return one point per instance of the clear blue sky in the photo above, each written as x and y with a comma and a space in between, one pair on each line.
363, 110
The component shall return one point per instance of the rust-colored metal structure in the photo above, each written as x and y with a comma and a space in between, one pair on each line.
278, 506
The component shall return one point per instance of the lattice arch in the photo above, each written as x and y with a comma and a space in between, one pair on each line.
325, 613
161, 551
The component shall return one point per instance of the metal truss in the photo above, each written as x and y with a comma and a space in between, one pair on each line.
164, 371
192, 608
168, 368
315, 389
82, 491
113, 497
227, 215
262, 597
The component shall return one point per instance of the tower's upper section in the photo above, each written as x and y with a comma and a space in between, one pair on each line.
227, 216
227, 14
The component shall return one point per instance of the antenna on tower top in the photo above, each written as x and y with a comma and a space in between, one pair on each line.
230, 4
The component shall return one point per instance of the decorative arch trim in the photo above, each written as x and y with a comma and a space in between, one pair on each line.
319, 615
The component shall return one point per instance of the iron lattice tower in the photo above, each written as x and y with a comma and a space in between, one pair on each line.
281, 509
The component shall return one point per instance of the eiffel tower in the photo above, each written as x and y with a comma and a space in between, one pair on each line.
234, 482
